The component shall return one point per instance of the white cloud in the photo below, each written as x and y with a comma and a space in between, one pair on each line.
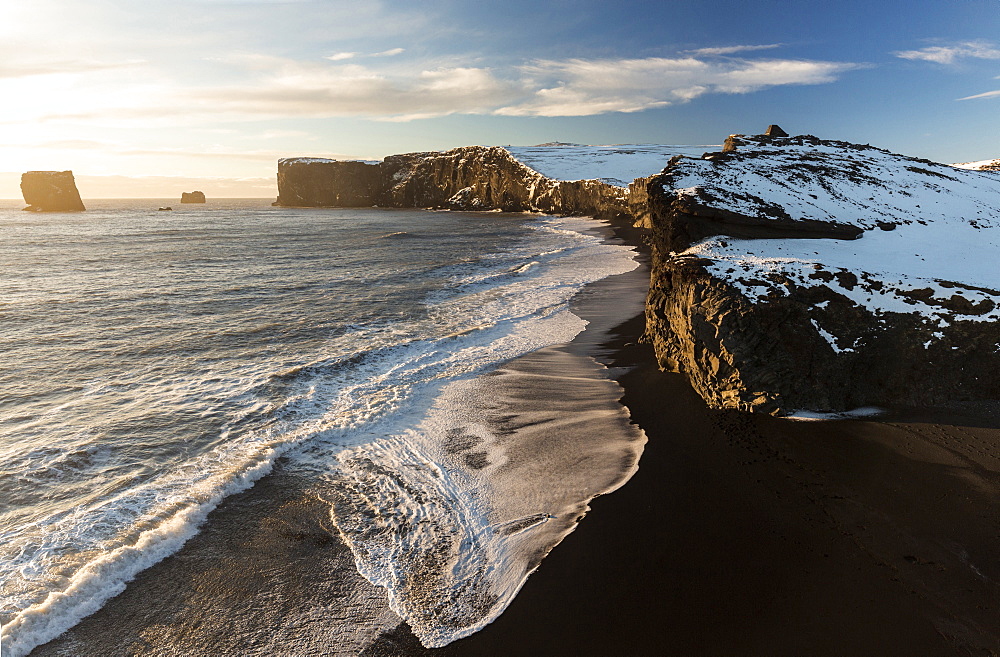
582, 87
341, 56
730, 50
397, 89
951, 54
988, 94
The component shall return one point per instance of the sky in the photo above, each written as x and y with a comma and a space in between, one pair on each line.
150, 98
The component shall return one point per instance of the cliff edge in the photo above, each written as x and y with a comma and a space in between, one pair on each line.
788, 273
556, 179
799, 273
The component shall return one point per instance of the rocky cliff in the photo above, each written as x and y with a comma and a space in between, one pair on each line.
468, 178
314, 182
798, 273
193, 197
51, 191
788, 273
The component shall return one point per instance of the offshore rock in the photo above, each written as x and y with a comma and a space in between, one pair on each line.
192, 197
794, 273
51, 191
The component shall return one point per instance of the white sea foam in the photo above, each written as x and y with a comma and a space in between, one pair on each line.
371, 380
855, 414
452, 516
452, 511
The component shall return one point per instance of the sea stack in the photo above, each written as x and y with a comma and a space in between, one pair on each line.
51, 191
193, 197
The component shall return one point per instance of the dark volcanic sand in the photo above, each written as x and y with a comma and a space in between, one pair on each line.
739, 535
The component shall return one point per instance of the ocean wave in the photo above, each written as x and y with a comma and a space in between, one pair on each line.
369, 381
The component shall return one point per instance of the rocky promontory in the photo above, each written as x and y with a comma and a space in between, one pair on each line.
193, 197
478, 178
800, 273
788, 273
51, 191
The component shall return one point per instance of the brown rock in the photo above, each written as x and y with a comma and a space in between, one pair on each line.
51, 191
193, 197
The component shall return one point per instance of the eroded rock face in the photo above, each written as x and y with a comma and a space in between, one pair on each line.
51, 191
469, 178
314, 182
808, 274
192, 197
788, 273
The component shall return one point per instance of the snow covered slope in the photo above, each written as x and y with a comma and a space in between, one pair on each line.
981, 165
615, 165
799, 273
927, 226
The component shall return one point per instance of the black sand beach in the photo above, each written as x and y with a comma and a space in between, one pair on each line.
739, 535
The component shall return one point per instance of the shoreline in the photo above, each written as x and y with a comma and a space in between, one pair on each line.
750, 535
263, 544
738, 535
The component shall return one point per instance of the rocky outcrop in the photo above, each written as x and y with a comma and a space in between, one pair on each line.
775, 355
314, 182
833, 303
982, 165
469, 178
51, 191
193, 197
787, 273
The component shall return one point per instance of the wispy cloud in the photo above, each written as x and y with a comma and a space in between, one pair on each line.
20, 66
582, 87
730, 50
342, 56
575, 87
392, 88
988, 94
951, 54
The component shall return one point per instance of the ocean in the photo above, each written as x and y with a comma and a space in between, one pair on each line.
156, 363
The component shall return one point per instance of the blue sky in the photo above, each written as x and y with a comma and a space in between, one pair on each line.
219, 89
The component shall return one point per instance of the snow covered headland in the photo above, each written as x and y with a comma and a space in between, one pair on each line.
788, 273
798, 273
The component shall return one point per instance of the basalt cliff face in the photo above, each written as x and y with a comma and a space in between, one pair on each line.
469, 178
788, 273
51, 191
798, 273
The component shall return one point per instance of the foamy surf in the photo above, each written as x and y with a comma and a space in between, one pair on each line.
377, 377
452, 517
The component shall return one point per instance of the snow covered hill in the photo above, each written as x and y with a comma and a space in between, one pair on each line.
981, 165
835, 322
926, 225
614, 165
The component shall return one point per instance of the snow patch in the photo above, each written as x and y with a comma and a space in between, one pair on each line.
615, 165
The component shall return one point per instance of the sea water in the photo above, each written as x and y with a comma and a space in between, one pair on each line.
155, 362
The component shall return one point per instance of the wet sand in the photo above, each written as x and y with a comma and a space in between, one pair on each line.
739, 535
